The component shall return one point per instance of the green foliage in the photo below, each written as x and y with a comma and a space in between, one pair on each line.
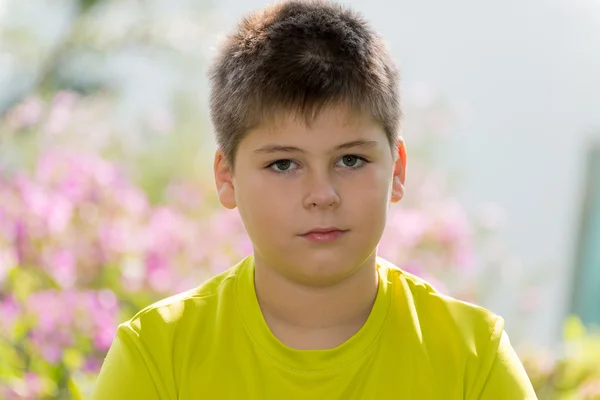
574, 373
85, 5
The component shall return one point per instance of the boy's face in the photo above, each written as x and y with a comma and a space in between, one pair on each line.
291, 179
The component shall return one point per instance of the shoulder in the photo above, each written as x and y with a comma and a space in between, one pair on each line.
451, 330
158, 324
154, 343
434, 308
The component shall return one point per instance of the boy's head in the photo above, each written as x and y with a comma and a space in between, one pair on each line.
305, 104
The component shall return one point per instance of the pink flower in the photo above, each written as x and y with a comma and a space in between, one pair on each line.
91, 364
64, 316
415, 269
59, 214
9, 313
62, 266
60, 112
107, 300
25, 114
34, 384
78, 177
106, 306
33, 196
463, 256
185, 196
133, 201
29, 387
242, 246
20, 241
105, 333
167, 230
159, 272
8, 260
407, 226
453, 224
225, 223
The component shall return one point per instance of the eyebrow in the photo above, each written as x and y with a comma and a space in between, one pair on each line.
275, 148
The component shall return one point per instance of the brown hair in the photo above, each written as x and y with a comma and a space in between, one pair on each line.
300, 56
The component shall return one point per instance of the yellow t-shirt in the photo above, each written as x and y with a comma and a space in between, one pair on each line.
213, 343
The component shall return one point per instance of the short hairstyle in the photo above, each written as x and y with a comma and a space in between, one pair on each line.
298, 57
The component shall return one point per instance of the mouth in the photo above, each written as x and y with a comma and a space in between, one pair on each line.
323, 235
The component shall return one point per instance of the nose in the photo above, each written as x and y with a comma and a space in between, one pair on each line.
321, 193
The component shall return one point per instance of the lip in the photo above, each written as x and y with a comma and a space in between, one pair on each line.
326, 229
324, 235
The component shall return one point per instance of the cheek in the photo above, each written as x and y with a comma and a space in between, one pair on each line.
369, 201
263, 206
372, 190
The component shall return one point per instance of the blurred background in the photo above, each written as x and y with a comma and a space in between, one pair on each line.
106, 190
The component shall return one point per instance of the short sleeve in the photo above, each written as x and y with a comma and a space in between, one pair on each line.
507, 378
124, 374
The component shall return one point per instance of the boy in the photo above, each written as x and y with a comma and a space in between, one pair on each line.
305, 105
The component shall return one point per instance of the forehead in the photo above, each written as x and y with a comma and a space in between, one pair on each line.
331, 125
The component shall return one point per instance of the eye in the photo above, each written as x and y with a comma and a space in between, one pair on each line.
282, 165
351, 161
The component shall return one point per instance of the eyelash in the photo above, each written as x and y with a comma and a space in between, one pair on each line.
359, 158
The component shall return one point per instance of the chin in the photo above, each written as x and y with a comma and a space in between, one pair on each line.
324, 270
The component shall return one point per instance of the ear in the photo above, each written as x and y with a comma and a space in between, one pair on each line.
399, 176
224, 180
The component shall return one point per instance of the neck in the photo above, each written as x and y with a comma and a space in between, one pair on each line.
304, 316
